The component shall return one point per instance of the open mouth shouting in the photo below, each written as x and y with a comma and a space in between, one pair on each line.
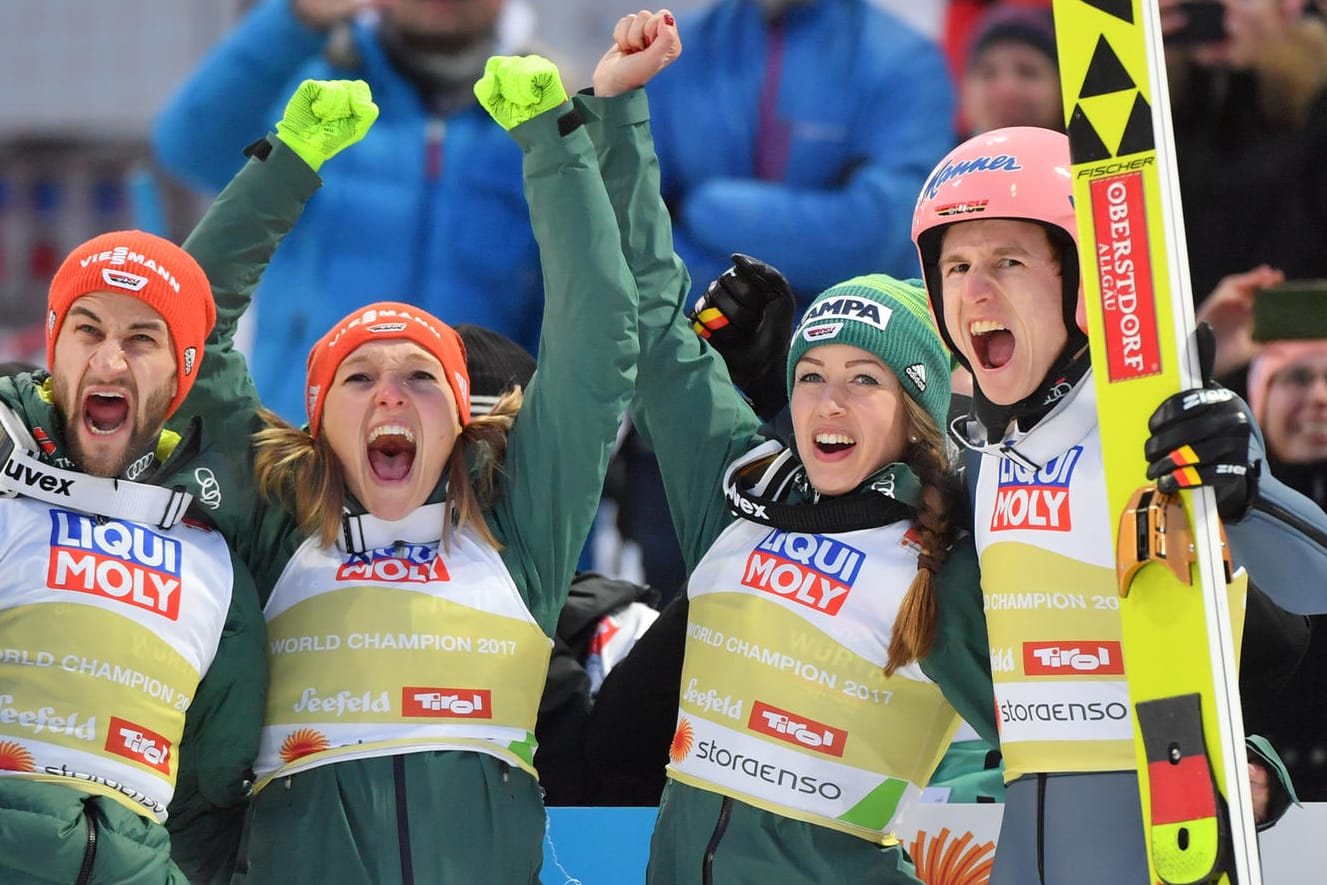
833, 446
391, 452
105, 412
992, 344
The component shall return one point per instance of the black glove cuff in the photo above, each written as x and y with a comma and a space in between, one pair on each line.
1235, 500
261, 149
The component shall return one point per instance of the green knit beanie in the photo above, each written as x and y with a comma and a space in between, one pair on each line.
889, 318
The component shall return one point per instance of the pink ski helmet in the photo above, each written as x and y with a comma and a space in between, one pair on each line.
1020, 172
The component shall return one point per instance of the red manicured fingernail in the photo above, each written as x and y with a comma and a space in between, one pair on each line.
668, 18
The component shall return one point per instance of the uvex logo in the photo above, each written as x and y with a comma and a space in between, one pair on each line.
446, 703
35, 478
748, 508
142, 745
797, 730
811, 570
1072, 658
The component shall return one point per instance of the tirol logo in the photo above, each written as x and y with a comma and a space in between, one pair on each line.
846, 308
116, 560
190, 357
1072, 658
811, 570
951, 170
140, 744
797, 730
386, 328
446, 703
1035, 500
1124, 269
403, 564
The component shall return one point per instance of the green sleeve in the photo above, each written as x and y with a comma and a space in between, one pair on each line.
685, 404
234, 242
960, 660
559, 446
220, 741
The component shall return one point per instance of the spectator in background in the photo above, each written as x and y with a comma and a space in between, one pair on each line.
1288, 396
1012, 76
807, 144
800, 131
1249, 104
431, 211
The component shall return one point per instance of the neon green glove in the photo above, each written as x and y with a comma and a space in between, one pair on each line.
325, 116
518, 88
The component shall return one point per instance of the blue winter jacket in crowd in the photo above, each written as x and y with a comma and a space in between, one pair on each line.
848, 109
429, 210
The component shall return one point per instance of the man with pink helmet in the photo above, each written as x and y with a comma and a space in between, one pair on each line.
996, 233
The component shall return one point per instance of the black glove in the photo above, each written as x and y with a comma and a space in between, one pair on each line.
1200, 437
747, 316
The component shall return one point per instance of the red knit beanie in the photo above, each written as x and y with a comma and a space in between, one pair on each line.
151, 269
384, 321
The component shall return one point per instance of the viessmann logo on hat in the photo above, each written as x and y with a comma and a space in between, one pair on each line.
378, 321
124, 255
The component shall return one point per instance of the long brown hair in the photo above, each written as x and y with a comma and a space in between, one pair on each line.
302, 473
927, 456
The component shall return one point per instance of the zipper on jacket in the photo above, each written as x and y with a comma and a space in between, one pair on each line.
707, 868
434, 130
90, 851
402, 822
435, 135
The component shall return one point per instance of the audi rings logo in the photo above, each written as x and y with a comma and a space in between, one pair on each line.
209, 490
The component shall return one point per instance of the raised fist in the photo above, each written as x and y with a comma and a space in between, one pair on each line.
747, 316
325, 116
516, 88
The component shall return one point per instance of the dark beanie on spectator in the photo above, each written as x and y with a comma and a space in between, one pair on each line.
496, 364
1031, 26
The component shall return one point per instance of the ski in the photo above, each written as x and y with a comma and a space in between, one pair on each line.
1176, 613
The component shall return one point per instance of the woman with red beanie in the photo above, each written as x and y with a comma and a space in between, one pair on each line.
413, 557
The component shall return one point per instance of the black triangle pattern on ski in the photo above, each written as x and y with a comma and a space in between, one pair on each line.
1138, 133
1121, 9
1085, 145
1105, 73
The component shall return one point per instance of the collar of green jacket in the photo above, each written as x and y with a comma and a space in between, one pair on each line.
171, 463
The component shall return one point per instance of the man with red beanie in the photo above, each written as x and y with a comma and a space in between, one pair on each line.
126, 622
133, 675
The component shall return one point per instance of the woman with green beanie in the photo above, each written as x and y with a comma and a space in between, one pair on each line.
833, 622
